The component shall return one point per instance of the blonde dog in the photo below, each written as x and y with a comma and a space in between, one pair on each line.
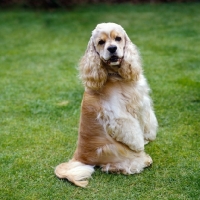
117, 118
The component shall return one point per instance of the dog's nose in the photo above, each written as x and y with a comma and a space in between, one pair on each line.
112, 48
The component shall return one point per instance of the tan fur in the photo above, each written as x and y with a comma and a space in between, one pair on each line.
117, 118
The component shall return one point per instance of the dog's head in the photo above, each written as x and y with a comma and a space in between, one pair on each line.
109, 42
109, 50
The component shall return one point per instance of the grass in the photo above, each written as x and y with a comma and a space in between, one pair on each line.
40, 98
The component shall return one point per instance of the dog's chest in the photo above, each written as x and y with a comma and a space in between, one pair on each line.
121, 99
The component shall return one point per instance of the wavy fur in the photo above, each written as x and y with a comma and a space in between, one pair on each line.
117, 117
92, 77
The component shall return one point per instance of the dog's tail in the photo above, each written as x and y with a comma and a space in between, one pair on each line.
75, 171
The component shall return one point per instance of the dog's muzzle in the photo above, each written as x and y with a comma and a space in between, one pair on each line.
114, 60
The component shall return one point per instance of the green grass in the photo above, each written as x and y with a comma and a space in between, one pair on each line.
40, 97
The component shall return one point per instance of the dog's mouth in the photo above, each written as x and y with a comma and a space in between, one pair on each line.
114, 60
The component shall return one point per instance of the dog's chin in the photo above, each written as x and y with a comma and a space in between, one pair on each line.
113, 61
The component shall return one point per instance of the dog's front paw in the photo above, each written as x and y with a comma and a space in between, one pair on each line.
137, 147
149, 136
146, 142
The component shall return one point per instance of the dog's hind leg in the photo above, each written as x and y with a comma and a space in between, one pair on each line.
132, 165
75, 171
140, 162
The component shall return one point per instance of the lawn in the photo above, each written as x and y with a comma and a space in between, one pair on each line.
40, 96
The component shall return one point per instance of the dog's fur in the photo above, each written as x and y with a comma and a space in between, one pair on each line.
117, 118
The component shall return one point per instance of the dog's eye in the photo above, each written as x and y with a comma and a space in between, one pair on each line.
101, 42
118, 39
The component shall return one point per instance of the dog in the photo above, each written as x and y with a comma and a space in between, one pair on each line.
117, 117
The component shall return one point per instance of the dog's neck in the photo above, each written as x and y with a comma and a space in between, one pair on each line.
113, 74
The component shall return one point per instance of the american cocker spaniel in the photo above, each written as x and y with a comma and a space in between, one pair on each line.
117, 118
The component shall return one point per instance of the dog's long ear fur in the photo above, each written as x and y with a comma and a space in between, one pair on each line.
92, 73
131, 64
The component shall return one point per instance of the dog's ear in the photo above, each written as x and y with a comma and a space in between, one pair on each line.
131, 64
92, 72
